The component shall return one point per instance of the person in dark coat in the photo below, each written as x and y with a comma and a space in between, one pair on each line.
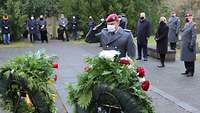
174, 26
90, 23
123, 21
32, 27
74, 27
6, 30
63, 27
43, 28
142, 33
115, 38
162, 40
188, 47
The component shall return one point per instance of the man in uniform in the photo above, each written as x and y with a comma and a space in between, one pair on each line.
123, 21
63, 26
32, 26
142, 33
43, 30
174, 26
6, 30
90, 23
188, 48
115, 38
74, 27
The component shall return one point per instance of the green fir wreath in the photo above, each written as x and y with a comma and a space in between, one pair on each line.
33, 76
115, 73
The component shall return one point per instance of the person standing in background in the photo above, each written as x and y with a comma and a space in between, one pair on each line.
142, 33
162, 40
43, 28
32, 27
90, 23
63, 27
188, 48
6, 30
174, 26
123, 21
74, 27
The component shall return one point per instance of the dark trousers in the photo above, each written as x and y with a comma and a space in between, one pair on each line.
75, 34
142, 48
32, 37
44, 36
61, 35
162, 58
190, 66
173, 45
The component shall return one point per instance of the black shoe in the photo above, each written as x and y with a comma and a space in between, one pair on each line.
145, 59
138, 59
185, 73
190, 75
161, 66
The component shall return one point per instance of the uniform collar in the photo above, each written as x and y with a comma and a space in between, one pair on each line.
115, 36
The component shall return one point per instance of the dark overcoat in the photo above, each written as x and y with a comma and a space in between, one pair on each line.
143, 31
188, 46
162, 38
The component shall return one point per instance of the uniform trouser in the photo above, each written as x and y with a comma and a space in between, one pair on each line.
44, 36
162, 58
62, 34
75, 34
189, 66
6, 38
173, 45
32, 37
142, 47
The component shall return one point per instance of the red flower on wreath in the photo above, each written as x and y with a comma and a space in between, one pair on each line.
55, 77
141, 72
124, 60
55, 66
145, 85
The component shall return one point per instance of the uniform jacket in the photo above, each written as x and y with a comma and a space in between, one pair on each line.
63, 22
143, 31
174, 27
5, 26
162, 38
188, 48
120, 41
74, 25
42, 24
32, 26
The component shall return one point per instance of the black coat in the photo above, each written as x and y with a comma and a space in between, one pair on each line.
162, 38
143, 31
5, 26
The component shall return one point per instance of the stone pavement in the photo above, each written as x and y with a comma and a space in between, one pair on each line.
170, 92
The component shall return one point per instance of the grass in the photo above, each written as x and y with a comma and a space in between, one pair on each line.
20, 44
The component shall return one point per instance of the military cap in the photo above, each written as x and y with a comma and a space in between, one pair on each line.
112, 17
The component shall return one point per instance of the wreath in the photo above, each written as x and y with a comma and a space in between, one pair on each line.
26, 84
117, 74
